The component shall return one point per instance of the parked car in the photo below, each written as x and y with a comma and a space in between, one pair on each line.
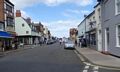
49, 42
69, 45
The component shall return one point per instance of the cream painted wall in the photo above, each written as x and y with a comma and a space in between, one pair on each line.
20, 30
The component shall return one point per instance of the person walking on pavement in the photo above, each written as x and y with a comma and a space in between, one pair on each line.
1, 46
79, 43
75, 42
60, 41
83, 42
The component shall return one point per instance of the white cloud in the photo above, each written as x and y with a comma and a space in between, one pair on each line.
24, 14
66, 14
85, 2
71, 13
61, 28
26, 3
85, 11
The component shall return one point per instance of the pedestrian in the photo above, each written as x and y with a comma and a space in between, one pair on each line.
13, 45
79, 43
75, 42
1, 46
40, 42
82, 42
16, 45
60, 41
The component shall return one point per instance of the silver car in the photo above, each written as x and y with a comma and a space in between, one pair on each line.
69, 45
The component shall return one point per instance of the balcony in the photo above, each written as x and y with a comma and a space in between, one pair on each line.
10, 28
10, 15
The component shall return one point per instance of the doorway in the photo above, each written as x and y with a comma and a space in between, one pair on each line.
106, 39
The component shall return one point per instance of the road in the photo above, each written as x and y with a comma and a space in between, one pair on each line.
47, 58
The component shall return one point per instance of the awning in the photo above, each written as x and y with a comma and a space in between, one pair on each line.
4, 34
13, 34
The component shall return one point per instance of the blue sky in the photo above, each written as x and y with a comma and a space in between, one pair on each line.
58, 15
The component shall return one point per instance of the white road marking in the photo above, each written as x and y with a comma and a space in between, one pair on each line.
87, 67
88, 64
85, 70
96, 68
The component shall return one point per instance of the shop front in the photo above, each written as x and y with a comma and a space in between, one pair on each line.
5, 41
92, 39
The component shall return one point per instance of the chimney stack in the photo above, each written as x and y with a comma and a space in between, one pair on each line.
28, 20
18, 13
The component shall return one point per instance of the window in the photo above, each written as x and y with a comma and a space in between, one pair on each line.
27, 32
108, 36
10, 22
93, 18
23, 25
99, 13
1, 26
8, 8
117, 6
118, 35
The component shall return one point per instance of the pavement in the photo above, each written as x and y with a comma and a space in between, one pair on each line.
98, 58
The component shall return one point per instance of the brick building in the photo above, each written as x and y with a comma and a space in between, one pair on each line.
73, 33
7, 25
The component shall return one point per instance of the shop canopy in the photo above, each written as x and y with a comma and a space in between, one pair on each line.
4, 34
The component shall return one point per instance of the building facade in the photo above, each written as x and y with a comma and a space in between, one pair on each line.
26, 30
47, 34
98, 27
81, 29
110, 10
40, 30
90, 29
73, 34
7, 25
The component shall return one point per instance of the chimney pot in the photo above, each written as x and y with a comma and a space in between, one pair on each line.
18, 13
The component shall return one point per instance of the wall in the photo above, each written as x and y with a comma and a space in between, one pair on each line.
81, 28
98, 27
18, 26
1, 10
110, 20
